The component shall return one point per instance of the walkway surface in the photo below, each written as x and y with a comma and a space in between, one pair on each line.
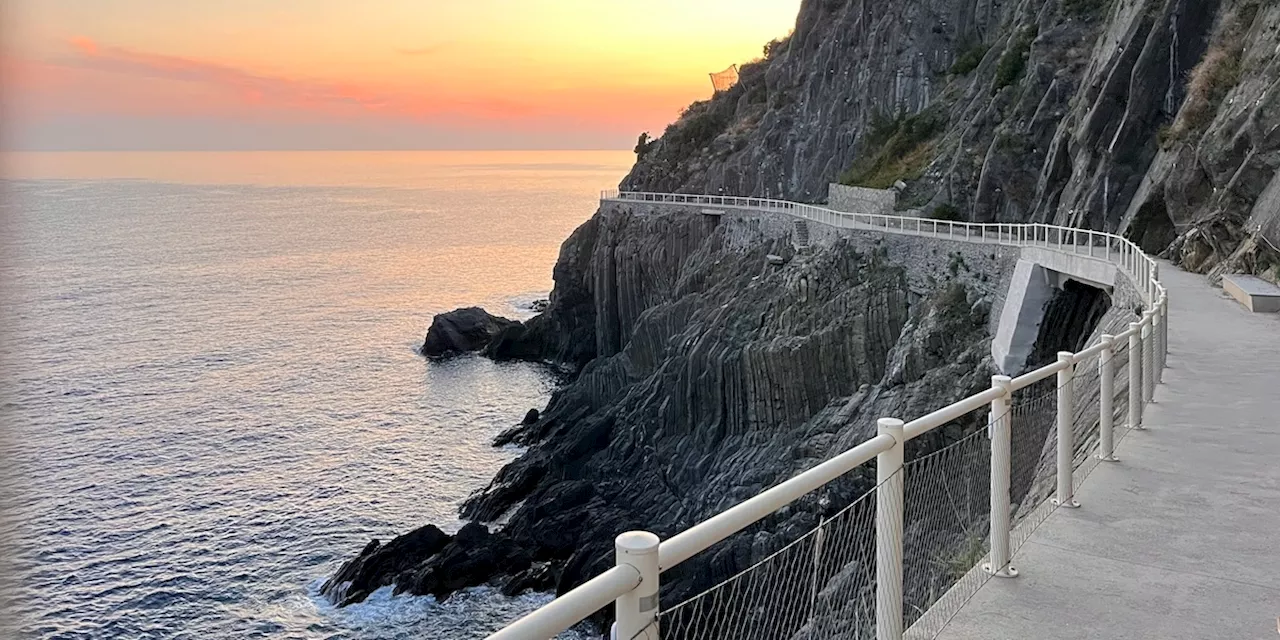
1181, 537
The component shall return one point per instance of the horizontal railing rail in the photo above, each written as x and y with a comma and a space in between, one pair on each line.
633, 584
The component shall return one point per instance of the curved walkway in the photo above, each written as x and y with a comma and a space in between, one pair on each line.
1181, 537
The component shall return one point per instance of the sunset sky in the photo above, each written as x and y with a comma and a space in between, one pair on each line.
378, 74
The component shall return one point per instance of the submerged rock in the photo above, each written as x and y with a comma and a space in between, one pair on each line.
463, 330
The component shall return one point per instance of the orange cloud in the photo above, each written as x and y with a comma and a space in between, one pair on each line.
281, 91
85, 45
421, 51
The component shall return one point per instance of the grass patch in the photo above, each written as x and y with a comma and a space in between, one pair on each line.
905, 149
966, 557
970, 59
1212, 79
1014, 61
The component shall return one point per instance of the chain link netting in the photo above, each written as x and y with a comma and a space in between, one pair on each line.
1120, 388
948, 512
1148, 365
822, 585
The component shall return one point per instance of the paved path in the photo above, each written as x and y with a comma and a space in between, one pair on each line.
1181, 537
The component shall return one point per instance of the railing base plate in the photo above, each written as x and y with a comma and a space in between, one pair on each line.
1007, 572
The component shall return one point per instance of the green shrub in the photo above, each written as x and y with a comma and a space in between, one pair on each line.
970, 59
947, 211
775, 46
1014, 60
904, 150
697, 126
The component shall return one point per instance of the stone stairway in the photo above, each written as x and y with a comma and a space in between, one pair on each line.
802, 236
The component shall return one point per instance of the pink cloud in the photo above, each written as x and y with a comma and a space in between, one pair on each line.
260, 89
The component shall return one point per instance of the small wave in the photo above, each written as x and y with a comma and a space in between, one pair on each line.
475, 612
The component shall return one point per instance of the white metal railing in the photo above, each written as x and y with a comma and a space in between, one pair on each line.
633, 584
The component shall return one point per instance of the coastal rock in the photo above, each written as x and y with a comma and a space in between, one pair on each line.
470, 559
377, 565
542, 576
463, 330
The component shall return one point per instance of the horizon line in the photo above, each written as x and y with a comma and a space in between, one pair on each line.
306, 150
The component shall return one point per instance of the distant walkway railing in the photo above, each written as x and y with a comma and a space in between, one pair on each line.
1102, 388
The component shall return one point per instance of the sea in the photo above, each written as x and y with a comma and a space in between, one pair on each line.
211, 393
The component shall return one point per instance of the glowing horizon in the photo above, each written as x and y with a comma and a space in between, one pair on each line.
395, 74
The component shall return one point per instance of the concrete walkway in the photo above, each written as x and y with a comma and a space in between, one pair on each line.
1181, 537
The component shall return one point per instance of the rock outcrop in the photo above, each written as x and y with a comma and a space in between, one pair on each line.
463, 330
715, 374
1154, 118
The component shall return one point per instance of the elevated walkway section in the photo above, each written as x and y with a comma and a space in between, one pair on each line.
1180, 538
1038, 274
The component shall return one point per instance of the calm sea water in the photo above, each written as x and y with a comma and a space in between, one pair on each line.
211, 395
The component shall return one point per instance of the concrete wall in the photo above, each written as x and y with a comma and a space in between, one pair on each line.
1098, 272
1029, 293
1017, 282
861, 199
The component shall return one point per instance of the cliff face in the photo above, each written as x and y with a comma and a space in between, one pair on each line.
713, 356
718, 374
1155, 118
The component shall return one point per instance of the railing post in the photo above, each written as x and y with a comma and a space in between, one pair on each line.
889, 533
1164, 336
1135, 375
1066, 430
1001, 435
637, 610
1148, 351
1106, 399
1155, 277
1157, 331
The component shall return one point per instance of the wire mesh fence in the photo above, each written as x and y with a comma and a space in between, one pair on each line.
1120, 407
947, 517
822, 585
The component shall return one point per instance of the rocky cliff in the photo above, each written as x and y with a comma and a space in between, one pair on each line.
714, 356
1154, 118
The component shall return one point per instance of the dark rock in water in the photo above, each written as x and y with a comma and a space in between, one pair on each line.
463, 330
540, 305
377, 565
472, 558
530, 418
542, 576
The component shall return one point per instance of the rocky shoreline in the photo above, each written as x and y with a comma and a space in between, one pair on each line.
703, 372
710, 357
